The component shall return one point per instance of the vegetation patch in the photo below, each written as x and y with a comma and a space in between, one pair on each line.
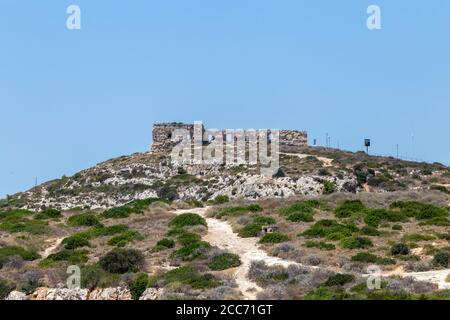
133, 207
374, 216
263, 220
224, 261
187, 219
19, 221
274, 237
48, 214
189, 276
75, 241
65, 255
122, 261
442, 258
320, 245
330, 229
164, 244
413, 237
418, 210
356, 243
192, 251
371, 258
84, 219
300, 211
339, 279
235, 211
400, 249
250, 231
10, 251
349, 208
123, 239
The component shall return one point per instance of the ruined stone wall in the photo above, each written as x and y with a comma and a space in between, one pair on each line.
293, 137
163, 140
162, 135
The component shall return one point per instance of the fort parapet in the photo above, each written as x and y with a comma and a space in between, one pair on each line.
163, 139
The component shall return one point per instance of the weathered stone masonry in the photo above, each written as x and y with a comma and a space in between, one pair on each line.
163, 140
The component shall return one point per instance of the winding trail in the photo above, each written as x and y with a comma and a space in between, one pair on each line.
221, 235
52, 248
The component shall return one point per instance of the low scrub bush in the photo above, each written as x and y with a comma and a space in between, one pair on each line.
356, 243
65, 255
235, 211
192, 251
339, 279
400, 249
224, 261
164, 244
370, 231
349, 208
300, 211
418, 210
84, 219
250, 231
5, 288
75, 241
123, 239
139, 285
418, 237
122, 261
374, 216
442, 258
320, 245
10, 251
264, 220
48, 214
220, 199
330, 229
274, 237
94, 276
187, 219
189, 276
367, 257
133, 207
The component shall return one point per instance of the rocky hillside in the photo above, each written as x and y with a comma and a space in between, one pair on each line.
304, 171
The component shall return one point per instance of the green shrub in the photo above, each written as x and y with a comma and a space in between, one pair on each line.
84, 219
75, 241
442, 258
123, 239
320, 245
329, 187
224, 261
188, 238
192, 251
235, 211
356, 243
300, 211
418, 210
65, 255
139, 285
400, 249
369, 231
274, 237
250, 231
397, 227
349, 208
264, 220
5, 288
166, 243
300, 217
9, 251
330, 229
93, 276
437, 221
339, 279
25, 225
374, 216
418, 237
189, 276
327, 293
48, 214
371, 258
187, 219
220, 199
122, 261
133, 207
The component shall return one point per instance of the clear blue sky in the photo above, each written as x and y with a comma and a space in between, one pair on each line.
70, 99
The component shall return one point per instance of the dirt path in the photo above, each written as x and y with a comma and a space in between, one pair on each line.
434, 276
327, 162
221, 235
52, 248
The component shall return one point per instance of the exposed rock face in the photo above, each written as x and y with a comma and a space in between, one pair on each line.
72, 294
110, 294
16, 295
152, 294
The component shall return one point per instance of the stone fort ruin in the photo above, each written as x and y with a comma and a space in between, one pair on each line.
164, 141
